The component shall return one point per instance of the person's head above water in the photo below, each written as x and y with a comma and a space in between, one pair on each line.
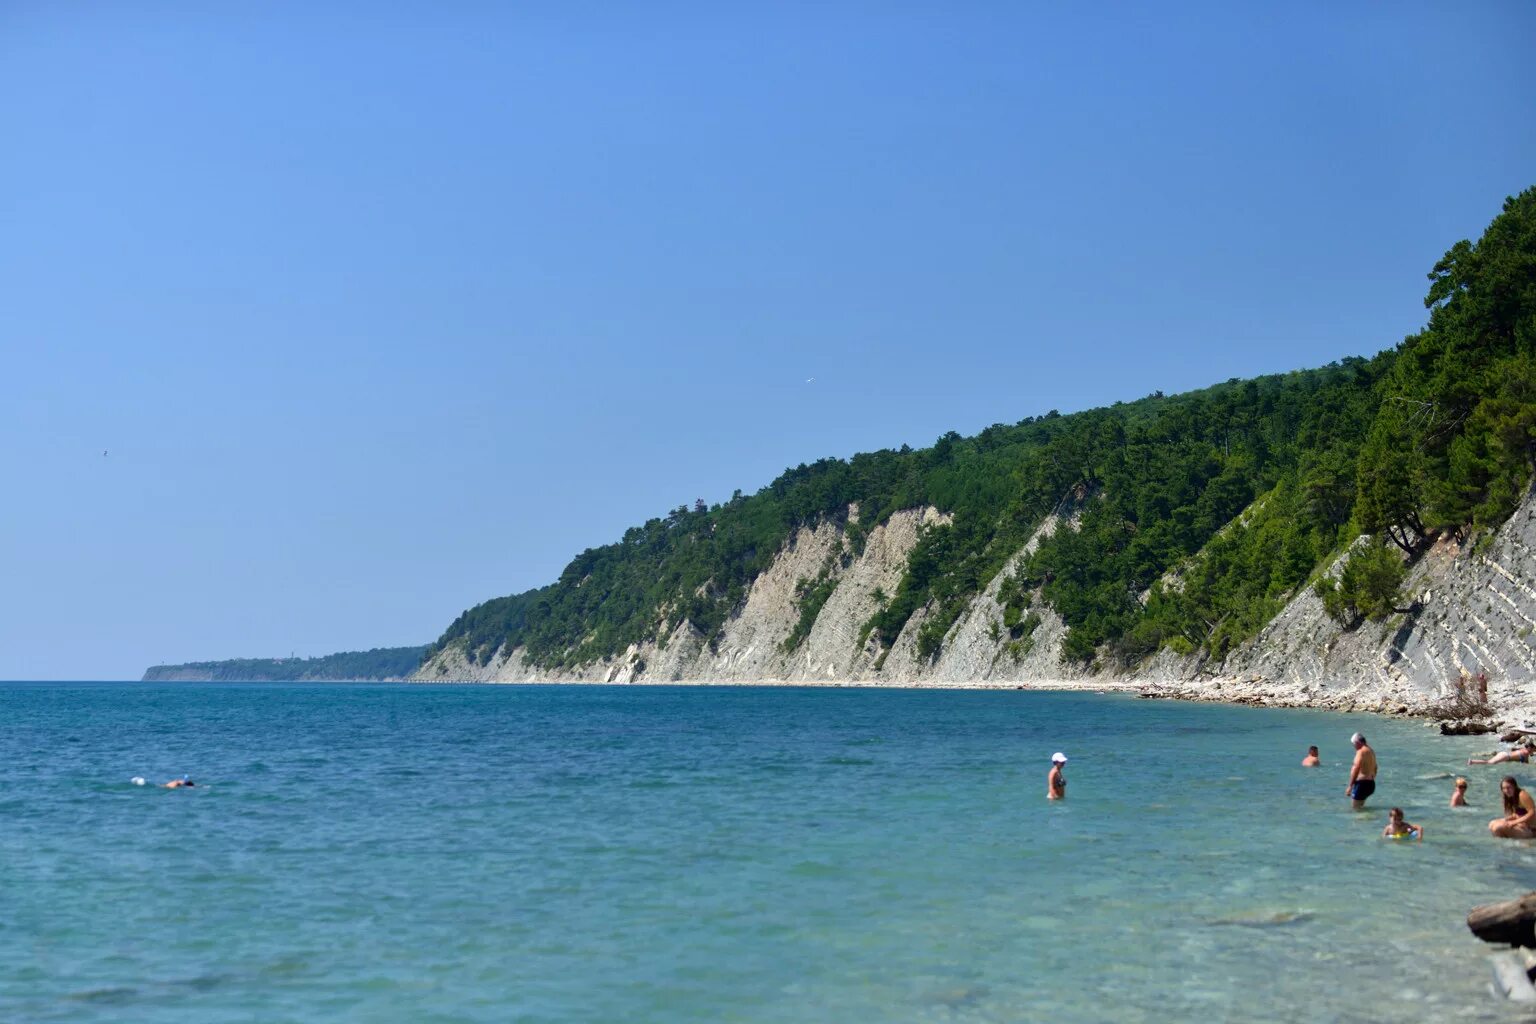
1461, 782
1358, 739
1058, 758
1312, 751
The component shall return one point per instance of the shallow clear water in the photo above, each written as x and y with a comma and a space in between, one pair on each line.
426, 853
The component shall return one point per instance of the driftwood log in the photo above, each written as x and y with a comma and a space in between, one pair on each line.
1465, 727
1511, 923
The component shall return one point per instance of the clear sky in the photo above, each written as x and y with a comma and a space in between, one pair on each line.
379, 310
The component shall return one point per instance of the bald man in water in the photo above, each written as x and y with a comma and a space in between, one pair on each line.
1362, 773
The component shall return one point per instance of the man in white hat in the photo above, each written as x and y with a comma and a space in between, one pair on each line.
1055, 782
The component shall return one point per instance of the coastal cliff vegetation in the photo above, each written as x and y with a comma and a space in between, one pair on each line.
378, 663
1194, 517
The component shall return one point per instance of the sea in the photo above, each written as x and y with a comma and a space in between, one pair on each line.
424, 853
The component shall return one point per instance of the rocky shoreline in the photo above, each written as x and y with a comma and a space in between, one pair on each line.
1473, 611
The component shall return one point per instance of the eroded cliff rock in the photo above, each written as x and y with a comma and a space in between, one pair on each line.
1472, 612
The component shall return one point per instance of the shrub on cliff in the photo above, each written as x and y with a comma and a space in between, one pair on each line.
1368, 587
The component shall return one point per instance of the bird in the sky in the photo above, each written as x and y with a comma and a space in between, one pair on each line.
810, 380
103, 453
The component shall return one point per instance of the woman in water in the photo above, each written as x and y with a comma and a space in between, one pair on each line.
1459, 793
1519, 812
1521, 754
1397, 828
1055, 782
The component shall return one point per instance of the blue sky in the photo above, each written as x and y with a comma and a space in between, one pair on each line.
383, 310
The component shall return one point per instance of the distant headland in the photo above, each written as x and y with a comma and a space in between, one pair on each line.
379, 664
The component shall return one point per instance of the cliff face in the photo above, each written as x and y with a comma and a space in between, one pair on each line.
1475, 611
752, 647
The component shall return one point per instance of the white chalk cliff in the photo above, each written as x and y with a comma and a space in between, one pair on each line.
1475, 611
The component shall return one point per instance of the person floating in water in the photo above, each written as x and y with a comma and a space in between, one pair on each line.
1311, 760
185, 782
1459, 792
1519, 812
1362, 773
1397, 828
1055, 782
1521, 754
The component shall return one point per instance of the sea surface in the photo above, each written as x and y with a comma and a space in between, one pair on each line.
586, 853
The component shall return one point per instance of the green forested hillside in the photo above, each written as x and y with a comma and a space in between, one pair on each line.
1237, 494
379, 663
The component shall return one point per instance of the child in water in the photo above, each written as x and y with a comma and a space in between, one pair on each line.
1397, 828
1459, 793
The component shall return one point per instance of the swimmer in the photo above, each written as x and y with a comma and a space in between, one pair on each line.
1311, 760
1521, 754
1459, 793
1055, 782
185, 782
1398, 828
1519, 812
1362, 773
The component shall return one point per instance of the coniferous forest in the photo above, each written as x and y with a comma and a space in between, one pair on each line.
1198, 514
379, 663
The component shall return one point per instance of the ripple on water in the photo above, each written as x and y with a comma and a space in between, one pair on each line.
776, 855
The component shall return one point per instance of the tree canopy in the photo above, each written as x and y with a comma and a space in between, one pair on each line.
1196, 515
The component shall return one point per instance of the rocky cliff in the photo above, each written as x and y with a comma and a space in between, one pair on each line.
1473, 611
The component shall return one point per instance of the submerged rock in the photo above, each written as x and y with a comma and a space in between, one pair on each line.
1279, 919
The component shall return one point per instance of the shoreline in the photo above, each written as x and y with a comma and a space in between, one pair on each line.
1241, 693
1236, 691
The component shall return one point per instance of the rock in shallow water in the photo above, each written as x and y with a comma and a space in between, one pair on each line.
1466, 727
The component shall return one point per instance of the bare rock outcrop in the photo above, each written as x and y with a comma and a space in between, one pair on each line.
1473, 612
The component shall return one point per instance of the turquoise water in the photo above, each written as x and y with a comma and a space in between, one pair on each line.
442, 853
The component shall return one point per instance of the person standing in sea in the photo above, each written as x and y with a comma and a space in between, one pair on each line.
1362, 773
1055, 782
